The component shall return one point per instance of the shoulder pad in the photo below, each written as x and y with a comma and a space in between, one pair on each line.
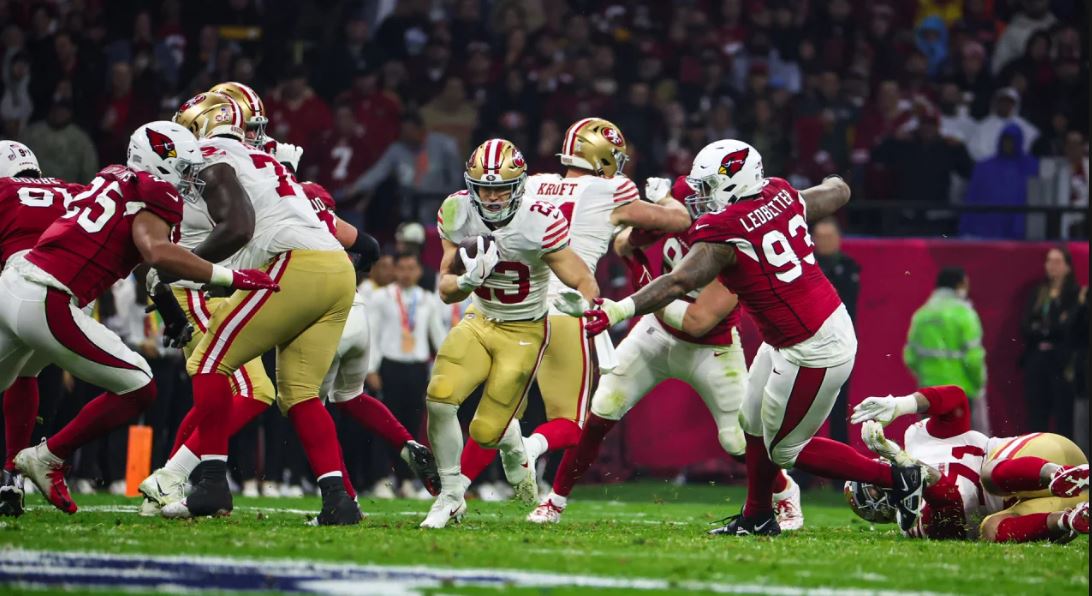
452, 213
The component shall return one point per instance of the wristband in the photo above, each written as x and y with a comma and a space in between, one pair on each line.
626, 308
906, 404
464, 284
221, 276
675, 313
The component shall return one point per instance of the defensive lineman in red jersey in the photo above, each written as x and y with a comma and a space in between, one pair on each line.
123, 218
695, 340
754, 235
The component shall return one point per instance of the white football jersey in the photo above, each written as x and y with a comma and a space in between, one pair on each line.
587, 202
516, 290
284, 218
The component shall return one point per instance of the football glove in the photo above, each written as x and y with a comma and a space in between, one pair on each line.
285, 153
657, 189
884, 409
478, 267
570, 302
253, 279
605, 314
177, 330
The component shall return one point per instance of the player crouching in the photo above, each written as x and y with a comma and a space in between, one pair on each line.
1016, 489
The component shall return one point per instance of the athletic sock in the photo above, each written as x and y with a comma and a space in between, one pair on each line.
183, 462
1019, 474
102, 415
578, 459
761, 474
349, 488
212, 401
475, 459
376, 417
20, 411
831, 459
243, 411
318, 436
1024, 528
446, 437
558, 434
781, 482
185, 430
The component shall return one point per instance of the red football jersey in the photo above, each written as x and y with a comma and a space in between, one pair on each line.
91, 246
343, 158
29, 206
323, 204
775, 275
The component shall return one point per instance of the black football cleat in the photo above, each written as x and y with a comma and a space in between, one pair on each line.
11, 494
211, 495
421, 461
906, 494
337, 508
764, 524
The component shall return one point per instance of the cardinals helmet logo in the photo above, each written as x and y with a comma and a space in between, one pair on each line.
613, 136
733, 162
161, 144
517, 160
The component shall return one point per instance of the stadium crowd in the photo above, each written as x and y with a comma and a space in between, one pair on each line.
939, 102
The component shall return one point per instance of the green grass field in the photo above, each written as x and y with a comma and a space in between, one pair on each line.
645, 530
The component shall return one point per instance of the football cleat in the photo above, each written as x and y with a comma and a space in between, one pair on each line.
210, 497
519, 470
546, 513
1076, 519
763, 524
447, 507
419, 459
11, 494
906, 494
339, 510
1069, 481
47, 472
786, 504
160, 489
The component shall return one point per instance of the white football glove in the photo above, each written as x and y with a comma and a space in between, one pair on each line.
884, 409
288, 154
657, 189
571, 302
878, 443
479, 267
151, 281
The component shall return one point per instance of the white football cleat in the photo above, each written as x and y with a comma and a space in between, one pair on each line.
176, 510
790, 516
546, 513
447, 507
46, 471
160, 489
519, 470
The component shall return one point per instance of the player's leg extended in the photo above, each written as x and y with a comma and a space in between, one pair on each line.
20, 403
719, 375
1039, 518
461, 365
1036, 465
21, 408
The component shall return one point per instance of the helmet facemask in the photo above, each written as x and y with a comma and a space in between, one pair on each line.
709, 195
496, 212
255, 131
870, 502
189, 185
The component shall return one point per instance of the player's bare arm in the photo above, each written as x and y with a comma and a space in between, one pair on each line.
232, 211
712, 305
699, 267
450, 292
346, 233
825, 198
573, 272
621, 244
668, 215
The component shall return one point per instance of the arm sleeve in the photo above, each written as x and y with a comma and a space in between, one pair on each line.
949, 411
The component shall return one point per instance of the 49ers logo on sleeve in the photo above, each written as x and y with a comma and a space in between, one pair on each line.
733, 162
613, 136
161, 144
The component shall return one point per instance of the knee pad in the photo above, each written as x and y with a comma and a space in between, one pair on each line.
609, 404
732, 440
144, 395
784, 456
440, 388
751, 427
485, 433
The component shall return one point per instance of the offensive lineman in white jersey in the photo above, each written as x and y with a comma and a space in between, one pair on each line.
507, 246
595, 198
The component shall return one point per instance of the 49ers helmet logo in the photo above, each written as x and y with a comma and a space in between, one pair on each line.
161, 144
733, 162
517, 160
613, 136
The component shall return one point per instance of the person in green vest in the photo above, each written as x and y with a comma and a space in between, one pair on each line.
944, 345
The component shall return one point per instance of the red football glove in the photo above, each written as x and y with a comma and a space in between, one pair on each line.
595, 320
253, 279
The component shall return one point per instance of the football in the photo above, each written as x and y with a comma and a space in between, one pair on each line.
471, 246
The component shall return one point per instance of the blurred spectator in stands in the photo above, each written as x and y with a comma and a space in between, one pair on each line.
1000, 180
931, 38
713, 83
1079, 370
341, 154
378, 106
63, 149
955, 117
764, 132
14, 43
143, 45
978, 22
381, 274
880, 41
16, 107
1033, 16
944, 344
945, 11
1071, 91
1005, 111
451, 114
404, 32
409, 239
973, 77
65, 70
297, 114
1048, 327
915, 75
1036, 68
544, 158
352, 54
1071, 185
877, 121
512, 108
845, 275
123, 110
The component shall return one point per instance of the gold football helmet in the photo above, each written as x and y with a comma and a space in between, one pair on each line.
495, 175
596, 145
211, 115
254, 114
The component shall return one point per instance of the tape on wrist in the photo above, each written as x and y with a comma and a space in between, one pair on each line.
675, 313
221, 276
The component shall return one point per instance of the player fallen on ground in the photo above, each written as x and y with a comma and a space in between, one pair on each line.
501, 248
753, 234
30, 203
303, 322
595, 197
996, 489
123, 218
254, 389
695, 339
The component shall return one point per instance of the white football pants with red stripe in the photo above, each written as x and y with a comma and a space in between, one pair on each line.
41, 324
791, 391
